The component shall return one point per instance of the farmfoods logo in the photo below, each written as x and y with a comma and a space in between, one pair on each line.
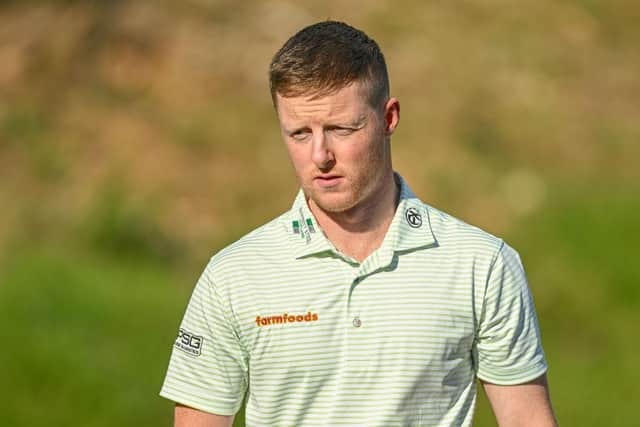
286, 318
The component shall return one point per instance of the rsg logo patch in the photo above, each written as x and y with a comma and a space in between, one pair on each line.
189, 343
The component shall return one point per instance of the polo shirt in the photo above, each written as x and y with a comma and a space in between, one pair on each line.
312, 337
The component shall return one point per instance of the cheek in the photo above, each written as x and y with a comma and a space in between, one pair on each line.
298, 158
369, 150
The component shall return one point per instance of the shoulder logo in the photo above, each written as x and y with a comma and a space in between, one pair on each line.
189, 343
413, 217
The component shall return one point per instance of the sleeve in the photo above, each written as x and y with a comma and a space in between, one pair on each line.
508, 349
208, 366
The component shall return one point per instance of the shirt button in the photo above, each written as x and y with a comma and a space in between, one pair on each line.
357, 322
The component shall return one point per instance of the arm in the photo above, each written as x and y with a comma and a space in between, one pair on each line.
508, 347
189, 417
521, 405
208, 368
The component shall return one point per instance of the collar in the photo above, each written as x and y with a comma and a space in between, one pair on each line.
409, 230
305, 234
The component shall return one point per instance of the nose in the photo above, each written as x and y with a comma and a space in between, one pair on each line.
321, 153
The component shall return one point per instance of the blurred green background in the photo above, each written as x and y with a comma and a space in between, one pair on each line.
137, 139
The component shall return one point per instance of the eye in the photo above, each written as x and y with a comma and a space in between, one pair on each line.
300, 135
340, 131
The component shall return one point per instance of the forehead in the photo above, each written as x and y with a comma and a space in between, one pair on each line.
344, 103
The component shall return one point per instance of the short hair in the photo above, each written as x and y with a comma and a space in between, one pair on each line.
326, 57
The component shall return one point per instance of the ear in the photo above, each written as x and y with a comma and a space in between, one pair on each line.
391, 115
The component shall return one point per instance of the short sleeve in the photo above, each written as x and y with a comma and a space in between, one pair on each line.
508, 348
208, 367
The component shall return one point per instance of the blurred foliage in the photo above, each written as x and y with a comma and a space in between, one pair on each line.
84, 339
138, 138
116, 226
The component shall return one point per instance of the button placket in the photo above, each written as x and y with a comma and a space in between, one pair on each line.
356, 332
354, 312
357, 322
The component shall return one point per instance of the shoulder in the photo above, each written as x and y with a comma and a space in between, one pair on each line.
454, 233
267, 242
482, 251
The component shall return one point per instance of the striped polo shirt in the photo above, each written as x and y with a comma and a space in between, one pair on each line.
311, 337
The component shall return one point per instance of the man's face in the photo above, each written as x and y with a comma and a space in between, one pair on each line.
339, 146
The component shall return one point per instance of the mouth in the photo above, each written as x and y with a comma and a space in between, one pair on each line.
328, 180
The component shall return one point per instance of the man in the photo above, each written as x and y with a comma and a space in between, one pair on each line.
361, 305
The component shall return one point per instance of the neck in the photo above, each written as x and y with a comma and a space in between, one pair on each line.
359, 231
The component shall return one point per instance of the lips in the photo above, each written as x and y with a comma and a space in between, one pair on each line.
328, 180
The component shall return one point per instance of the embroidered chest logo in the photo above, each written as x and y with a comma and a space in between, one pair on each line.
286, 318
413, 217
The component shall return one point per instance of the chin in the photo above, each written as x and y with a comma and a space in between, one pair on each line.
333, 203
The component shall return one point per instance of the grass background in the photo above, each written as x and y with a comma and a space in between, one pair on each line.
137, 138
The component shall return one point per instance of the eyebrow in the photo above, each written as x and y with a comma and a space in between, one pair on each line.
358, 123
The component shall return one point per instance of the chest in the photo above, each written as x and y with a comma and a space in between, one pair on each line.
326, 314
